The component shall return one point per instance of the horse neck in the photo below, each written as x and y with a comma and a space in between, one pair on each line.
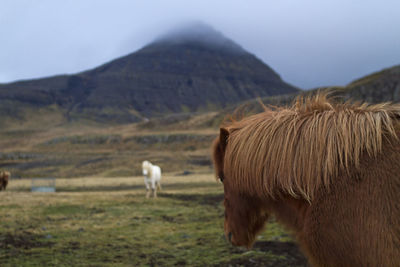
290, 211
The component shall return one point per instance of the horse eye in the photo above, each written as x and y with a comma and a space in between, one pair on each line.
221, 176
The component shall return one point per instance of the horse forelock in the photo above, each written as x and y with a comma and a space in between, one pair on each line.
299, 149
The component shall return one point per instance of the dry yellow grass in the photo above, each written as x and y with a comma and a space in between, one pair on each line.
76, 150
135, 182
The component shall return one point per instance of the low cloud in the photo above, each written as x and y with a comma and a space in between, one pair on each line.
309, 43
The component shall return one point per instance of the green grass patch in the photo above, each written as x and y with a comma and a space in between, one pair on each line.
63, 210
182, 227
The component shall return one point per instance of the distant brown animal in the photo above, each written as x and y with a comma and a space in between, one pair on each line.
4, 177
329, 172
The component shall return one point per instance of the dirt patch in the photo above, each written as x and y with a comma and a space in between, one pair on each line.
277, 254
288, 249
100, 188
168, 218
74, 245
24, 240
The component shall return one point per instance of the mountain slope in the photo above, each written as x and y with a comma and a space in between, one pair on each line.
382, 86
193, 69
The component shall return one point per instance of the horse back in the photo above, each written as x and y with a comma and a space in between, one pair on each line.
156, 172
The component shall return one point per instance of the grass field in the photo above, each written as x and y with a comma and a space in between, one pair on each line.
80, 150
109, 222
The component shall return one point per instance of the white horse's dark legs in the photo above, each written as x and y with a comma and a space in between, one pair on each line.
148, 193
147, 184
154, 187
154, 192
159, 185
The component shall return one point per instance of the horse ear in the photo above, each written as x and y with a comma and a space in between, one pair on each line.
223, 138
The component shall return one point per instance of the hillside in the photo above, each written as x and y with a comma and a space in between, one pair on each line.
179, 142
382, 86
192, 69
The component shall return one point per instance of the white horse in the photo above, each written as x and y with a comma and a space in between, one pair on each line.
152, 176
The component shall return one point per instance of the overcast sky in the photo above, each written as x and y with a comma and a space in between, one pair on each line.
310, 43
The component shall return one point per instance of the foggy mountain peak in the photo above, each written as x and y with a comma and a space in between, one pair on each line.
198, 33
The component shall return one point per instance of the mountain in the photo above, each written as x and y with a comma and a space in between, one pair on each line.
190, 69
382, 86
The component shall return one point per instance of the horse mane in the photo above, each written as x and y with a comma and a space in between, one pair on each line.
299, 149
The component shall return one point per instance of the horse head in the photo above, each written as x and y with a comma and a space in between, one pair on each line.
146, 167
244, 215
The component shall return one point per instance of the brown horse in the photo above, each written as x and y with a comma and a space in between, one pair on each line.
4, 177
328, 172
